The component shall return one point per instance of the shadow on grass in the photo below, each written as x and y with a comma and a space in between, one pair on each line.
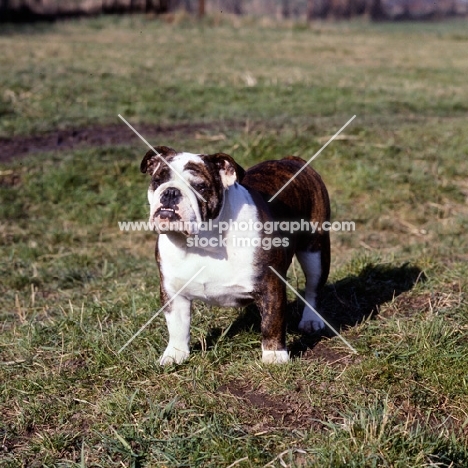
344, 304
354, 299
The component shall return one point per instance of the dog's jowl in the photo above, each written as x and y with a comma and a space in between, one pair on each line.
219, 236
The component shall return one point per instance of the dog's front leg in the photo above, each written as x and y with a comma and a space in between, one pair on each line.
178, 323
272, 305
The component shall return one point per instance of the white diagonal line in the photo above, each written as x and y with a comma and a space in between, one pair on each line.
308, 305
161, 309
312, 158
160, 157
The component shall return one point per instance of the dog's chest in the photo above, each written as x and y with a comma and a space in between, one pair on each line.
225, 280
224, 273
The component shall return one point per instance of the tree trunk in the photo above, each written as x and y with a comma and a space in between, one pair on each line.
318, 9
39, 10
163, 6
237, 7
376, 11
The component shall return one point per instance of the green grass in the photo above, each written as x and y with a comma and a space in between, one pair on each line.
74, 288
152, 71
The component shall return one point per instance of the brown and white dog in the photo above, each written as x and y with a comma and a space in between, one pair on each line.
193, 199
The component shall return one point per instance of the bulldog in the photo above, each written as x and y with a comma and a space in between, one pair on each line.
222, 242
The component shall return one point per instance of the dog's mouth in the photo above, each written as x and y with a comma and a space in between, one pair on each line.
167, 212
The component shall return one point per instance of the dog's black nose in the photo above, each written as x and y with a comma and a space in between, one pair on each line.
170, 197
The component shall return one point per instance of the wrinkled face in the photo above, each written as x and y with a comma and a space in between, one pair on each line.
186, 188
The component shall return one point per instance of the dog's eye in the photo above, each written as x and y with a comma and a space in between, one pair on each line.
200, 187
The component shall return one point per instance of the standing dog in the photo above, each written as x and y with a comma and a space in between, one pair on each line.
213, 216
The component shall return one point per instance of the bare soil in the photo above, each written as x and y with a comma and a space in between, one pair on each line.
269, 411
99, 135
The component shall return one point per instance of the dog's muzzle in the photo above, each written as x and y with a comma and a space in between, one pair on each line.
169, 200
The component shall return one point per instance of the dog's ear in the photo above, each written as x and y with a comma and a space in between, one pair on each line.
151, 160
229, 170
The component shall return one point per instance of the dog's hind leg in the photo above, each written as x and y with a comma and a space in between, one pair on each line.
312, 265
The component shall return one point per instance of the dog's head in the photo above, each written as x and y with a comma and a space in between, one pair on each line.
187, 189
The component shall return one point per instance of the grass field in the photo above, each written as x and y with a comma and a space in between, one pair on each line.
74, 288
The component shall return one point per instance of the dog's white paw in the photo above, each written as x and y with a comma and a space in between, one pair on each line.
173, 356
275, 357
310, 326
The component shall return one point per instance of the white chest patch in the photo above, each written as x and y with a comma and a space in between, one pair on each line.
227, 258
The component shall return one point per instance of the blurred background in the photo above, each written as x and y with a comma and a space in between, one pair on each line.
258, 80
377, 10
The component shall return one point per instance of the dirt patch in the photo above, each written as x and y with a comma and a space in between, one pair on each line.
286, 411
321, 352
409, 304
99, 135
